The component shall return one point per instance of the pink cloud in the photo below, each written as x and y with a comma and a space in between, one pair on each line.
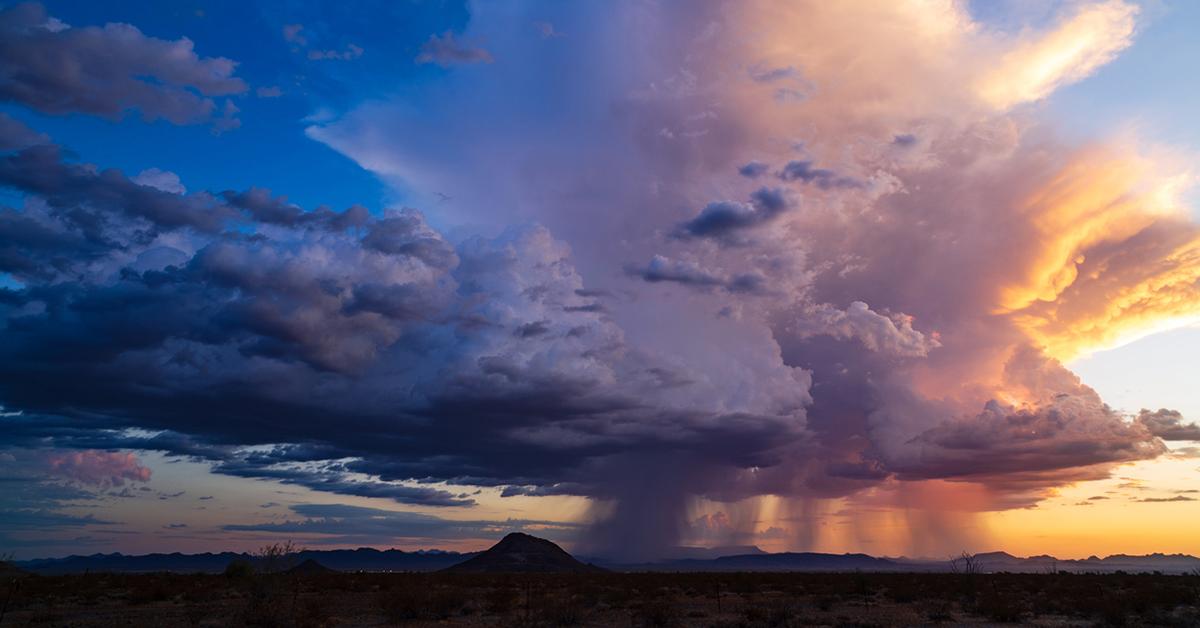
100, 468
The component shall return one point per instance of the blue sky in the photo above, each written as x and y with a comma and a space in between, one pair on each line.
274, 152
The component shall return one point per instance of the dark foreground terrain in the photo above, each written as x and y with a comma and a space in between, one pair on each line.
305, 598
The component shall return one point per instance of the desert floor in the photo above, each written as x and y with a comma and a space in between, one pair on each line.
658, 599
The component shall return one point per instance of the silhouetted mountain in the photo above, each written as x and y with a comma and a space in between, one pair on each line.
367, 559
990, 562
207, 562
786, 561
710, 553
1166, 563
522, 553
987, 562
996, 561
362, 559
995, 556
805, 561
310, 567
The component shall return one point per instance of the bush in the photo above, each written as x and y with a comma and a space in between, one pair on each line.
146, 592
277, 557
561, 611
410, 602
238, 570
999, 607
655, 611
400, 605
500, 601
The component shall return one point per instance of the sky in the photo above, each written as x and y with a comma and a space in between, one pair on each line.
913, 277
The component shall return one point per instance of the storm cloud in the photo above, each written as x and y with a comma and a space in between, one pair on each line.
360, 345
1168, 425
54, 68
887, 313
804, 171
724, 219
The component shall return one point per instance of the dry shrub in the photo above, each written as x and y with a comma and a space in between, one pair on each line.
1000, 606
407, 603
655, 611
145, 592
500, 600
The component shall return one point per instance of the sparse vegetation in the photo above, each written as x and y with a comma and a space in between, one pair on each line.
965, 563
239, 570
749, 600
277, 557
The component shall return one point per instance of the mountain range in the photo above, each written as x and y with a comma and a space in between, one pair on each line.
362, 559
522, 551
986, 562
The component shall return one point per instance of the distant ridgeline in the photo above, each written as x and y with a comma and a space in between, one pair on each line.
525, 553
982, 563
363, 559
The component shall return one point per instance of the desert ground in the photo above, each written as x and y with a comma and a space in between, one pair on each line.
604, 599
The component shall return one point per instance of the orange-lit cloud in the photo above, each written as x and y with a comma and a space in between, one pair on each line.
1004, 249
1038, 63
1115, 256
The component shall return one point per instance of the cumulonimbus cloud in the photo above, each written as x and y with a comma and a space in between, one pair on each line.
922, 189
913, 299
